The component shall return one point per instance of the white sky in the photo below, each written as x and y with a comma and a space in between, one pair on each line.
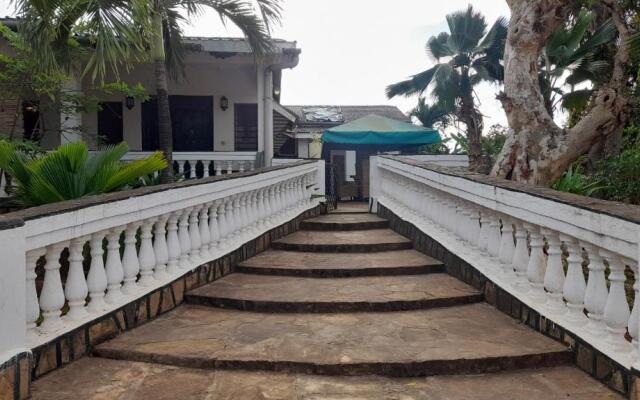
352, 49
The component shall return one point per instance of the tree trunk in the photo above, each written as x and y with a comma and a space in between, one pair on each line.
538, 151
473, 121
165, 135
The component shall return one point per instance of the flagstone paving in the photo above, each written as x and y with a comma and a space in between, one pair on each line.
342, 309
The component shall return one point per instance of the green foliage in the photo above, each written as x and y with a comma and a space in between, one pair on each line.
574, 181
621, 175
72, 172
573, 56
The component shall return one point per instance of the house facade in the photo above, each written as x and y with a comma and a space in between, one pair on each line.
227, 103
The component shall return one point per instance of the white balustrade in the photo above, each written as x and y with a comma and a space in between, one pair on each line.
120, 250
552, 256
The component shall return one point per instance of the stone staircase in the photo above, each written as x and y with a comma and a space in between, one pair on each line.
342, 309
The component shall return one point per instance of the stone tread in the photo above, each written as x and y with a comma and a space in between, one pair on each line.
456, 340
99, 378
348, 241
351, 208
345, 222
292, 294
310, 264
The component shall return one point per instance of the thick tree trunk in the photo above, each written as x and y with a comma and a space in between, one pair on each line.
165, 135
538, 151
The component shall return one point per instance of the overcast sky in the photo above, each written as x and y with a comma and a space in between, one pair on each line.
352, 49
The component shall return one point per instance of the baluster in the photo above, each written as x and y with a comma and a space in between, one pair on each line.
574, 284
483, 237
194, 235
474, 226
214, 229
32, 306
146, 257
160, 248
218, 167
205, 168
97, 277
52, 295
634, 318
252, 165
173, 243
229, 167
205, 233
113, 267
554, 274
521, 256
616, 309
261, 209
130, 264
596, 293
75, 288
241, 166
537, 262
507, 248
183, 237
244, 222
181, 165
223, 227
493, 244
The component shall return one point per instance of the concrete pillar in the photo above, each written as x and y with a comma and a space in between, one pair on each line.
260, 101
12, 290
268, 117
71, 120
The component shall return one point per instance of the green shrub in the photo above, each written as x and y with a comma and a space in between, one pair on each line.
621, 176
72, 172
574, 181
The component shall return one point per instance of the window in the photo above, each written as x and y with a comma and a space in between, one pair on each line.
110, 127
246, 127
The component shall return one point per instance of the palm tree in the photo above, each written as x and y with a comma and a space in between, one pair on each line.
465, 56
123, 32
572, 57
430, 115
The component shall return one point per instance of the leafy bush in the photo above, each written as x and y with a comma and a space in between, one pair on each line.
574, 181
621, 176
72, 172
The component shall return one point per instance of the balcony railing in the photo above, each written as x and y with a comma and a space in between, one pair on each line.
570, 258
152, 236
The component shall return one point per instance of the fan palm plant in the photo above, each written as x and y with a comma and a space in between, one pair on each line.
123, 32
72, 172
572, 57
430, 115
465, 56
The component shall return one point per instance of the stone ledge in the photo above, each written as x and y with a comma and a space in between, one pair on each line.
15, 377
586, 357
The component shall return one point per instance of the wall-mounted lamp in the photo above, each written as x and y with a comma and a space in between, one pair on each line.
224, 103
130, 102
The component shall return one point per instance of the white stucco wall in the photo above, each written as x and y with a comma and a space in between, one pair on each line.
236, 82
12, 293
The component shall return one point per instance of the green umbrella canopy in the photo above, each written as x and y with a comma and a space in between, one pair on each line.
377, 130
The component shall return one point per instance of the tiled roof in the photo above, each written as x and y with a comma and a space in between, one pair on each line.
349, 113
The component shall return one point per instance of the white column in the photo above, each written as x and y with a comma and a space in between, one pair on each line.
268, 117
223, 229
260, 102
173, 243
521, 255
75, 288
554, 275
214, 230
146, 257
32, 306
183, 236
537, 261
596, 292
574, 284
70, 118
493, 245
52, 295
160, 248
205, 233
113, 267
616, 309
130, 264
97, 278
194, 236
13, 293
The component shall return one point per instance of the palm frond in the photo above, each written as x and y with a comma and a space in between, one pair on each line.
577, 100
466, 29
437, 46
492, 45
416, 84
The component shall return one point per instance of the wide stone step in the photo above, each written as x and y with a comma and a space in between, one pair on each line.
456, 340
343, 242
100, 378
351, 208
344, 222
335, 265
367, 294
